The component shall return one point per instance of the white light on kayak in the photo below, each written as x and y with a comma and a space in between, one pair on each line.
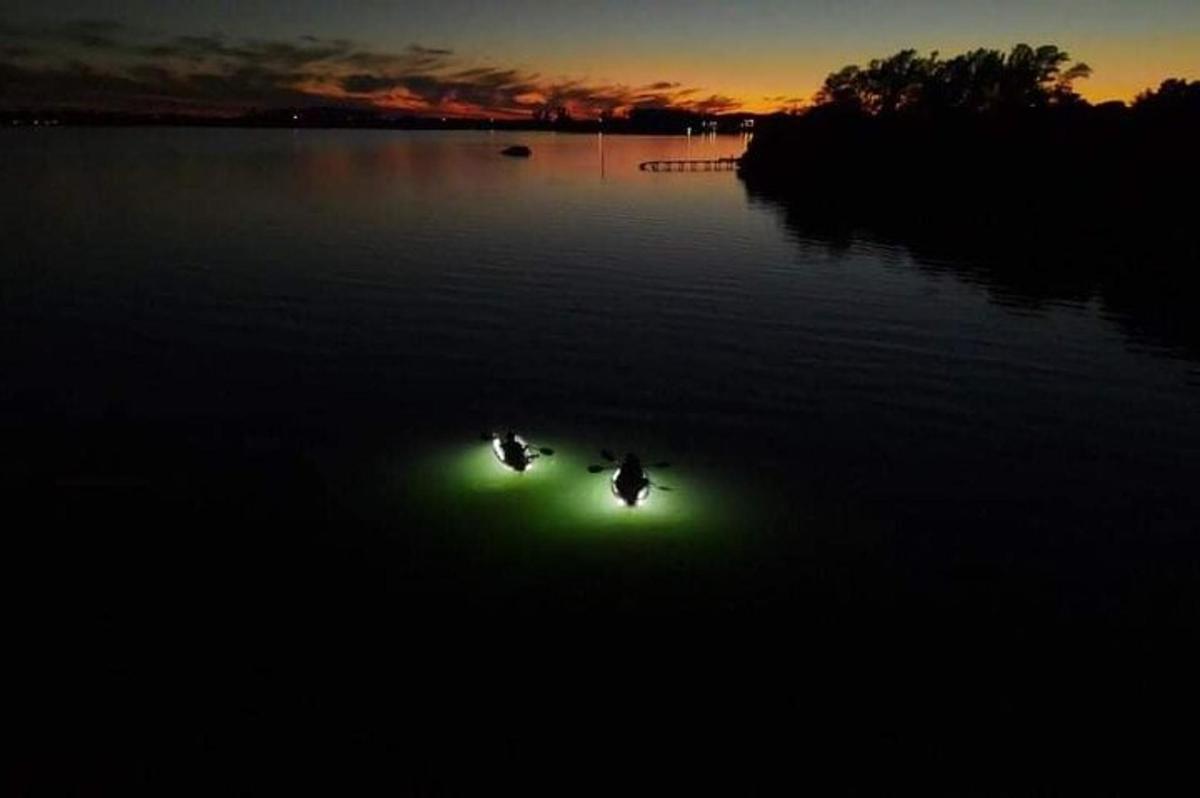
498, 450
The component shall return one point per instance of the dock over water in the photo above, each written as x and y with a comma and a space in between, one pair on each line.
691, 165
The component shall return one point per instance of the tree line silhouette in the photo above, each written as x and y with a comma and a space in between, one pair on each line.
980, 81
990, 161
979, 91
912, 116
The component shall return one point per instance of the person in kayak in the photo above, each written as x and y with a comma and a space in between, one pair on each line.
515, 453
631, 480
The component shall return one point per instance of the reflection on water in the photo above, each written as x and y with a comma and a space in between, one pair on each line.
176, 297
244, 373
1137, 268
558, 498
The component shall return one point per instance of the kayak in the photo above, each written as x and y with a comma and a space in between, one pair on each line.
519, 462
630, 489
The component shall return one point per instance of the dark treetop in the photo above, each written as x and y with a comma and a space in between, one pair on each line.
992, 158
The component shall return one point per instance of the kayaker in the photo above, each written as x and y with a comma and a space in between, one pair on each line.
631, 479
514, 451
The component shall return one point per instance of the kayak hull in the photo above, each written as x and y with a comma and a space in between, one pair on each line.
631, 492
512, 464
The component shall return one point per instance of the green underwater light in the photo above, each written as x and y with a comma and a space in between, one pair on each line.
559, 497
481, 468
597, 499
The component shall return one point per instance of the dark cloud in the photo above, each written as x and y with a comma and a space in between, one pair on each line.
369, 84
716, 104
434, 51
489, 90
149, 87
90, 34
289, 55
107, 64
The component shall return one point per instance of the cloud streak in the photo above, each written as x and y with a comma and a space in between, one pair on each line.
105, 64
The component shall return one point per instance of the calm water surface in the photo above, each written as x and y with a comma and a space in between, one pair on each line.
258, 348
375, 284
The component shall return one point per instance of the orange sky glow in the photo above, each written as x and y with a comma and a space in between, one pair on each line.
120, 65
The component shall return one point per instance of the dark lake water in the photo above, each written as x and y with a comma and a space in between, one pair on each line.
245, 374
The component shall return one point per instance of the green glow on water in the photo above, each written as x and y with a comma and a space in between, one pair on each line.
558, 498
479, 470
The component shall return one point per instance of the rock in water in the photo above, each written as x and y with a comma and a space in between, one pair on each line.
517, 151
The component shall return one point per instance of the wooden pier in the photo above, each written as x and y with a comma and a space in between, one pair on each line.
691, 165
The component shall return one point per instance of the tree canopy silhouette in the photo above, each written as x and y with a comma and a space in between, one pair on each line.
979, 81
1174, 97
990, 158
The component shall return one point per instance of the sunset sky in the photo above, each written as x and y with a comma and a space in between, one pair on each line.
465, 57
